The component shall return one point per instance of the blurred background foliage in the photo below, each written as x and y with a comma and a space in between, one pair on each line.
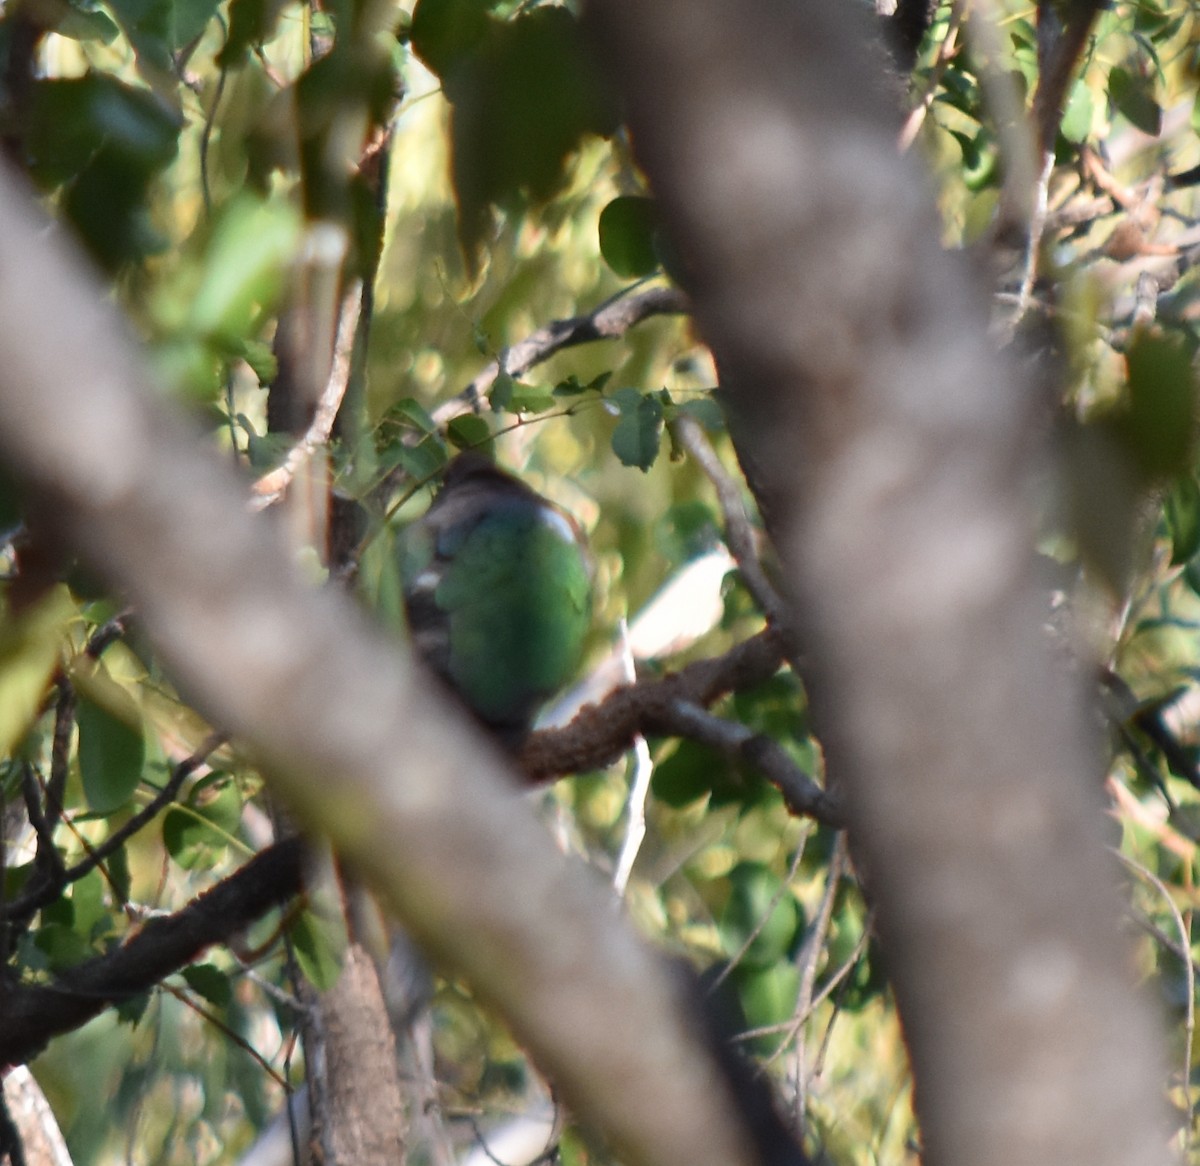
466, 159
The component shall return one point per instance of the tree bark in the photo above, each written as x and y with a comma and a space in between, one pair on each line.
894, 450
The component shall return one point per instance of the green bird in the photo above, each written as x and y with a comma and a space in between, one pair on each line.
497, 589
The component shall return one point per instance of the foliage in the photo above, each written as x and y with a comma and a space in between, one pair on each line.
467, 160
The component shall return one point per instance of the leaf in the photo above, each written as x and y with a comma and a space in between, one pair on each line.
1076, 124
210, 983
1132, 95
468, 432
445, 33
1183, 520
760, 905
30, 649
527, 398
638, 434
707, 412
197, 833
105, 141
524, 99
768, 997
627, 228
687, 774
112, 751
1157, 427
318, 942
246, 261
500, 395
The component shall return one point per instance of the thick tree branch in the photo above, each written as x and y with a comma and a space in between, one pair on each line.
30, 1015
343, 724
674, 706
894, 450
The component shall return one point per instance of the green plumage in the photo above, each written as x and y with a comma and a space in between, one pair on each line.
498, 594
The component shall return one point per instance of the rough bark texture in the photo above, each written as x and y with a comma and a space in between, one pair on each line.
344, 725
893, 449
354, 1083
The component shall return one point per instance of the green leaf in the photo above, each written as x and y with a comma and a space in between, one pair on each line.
1076, 124
627, 228
1158, 425
760, 905
445, 33
524, 99
112, 752
197, 833
210, 983
500, 395
768, 997
319, 943
1132, 95
409, 413
88, 25
707, 412
638, 434
573, 387
687, 774
245, 263
104, 141
527, 398
30, 648
62, 946
1183, 520
468, 432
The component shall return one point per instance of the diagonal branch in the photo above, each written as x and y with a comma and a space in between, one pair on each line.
30, 1015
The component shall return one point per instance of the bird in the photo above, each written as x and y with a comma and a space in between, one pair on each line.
497, 593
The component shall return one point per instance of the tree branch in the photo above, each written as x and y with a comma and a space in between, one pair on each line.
611, 320
895, 452
344, 726
30, 1015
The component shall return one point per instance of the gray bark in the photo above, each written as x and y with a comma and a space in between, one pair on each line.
894, 452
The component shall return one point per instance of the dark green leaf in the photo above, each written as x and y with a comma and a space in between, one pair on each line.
318, 943
445, 33
500, 395
688, 774
210, 982
759, 905
638, 434
523, 102
1132, 94
88, 24
197, 833
707, 412
468, 432
112, 752
627, 228
1183, 520
1157, 427
105, 142
132, 1010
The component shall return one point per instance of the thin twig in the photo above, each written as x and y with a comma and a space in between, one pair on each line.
611, 320
739, 534
947, 51
801, 794
271, 487
41, 896
639, 786
1189, 971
